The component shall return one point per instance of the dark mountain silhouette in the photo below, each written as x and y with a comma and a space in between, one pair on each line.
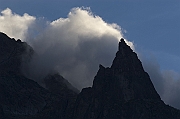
122, 91
22, 98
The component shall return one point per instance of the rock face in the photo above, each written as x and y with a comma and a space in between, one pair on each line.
23, 98
13, 53
123, 91
18, 95
60, 87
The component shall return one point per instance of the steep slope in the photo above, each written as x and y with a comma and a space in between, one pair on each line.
59, 86
13, 53
15, 89
23, 98
123, 91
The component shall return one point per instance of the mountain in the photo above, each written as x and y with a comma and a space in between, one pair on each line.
13, 53
122, 91
21, 97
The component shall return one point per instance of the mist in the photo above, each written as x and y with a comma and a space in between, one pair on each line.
166, 82
75, 46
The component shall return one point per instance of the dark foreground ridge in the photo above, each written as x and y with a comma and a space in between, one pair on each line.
122, 91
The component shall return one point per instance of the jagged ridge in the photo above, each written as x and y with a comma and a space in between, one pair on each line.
123, 91
23, 98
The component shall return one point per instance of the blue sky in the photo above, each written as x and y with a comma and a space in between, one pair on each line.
152, 25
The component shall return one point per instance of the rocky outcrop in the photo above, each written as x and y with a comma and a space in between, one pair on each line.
13, 53
59, 85
123, 91
18, 95
23, 98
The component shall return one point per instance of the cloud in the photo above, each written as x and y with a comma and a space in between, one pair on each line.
171, 93
75, 46
166, 82
15, 25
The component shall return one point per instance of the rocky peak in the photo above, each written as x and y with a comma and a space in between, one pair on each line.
59, 85
134, 82
126, 59
123, 45
118, 88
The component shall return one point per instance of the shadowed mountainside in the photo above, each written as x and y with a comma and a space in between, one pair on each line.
122, 91
22, 98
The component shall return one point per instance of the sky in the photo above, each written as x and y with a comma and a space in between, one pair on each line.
151, 27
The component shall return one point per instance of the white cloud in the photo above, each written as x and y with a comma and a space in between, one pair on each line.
15, 25
76, 45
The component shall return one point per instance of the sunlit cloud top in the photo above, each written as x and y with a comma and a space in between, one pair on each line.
15, 25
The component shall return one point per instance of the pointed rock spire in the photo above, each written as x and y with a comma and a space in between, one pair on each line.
126, 59
122, 91
126, 75
123, 47
122, 43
